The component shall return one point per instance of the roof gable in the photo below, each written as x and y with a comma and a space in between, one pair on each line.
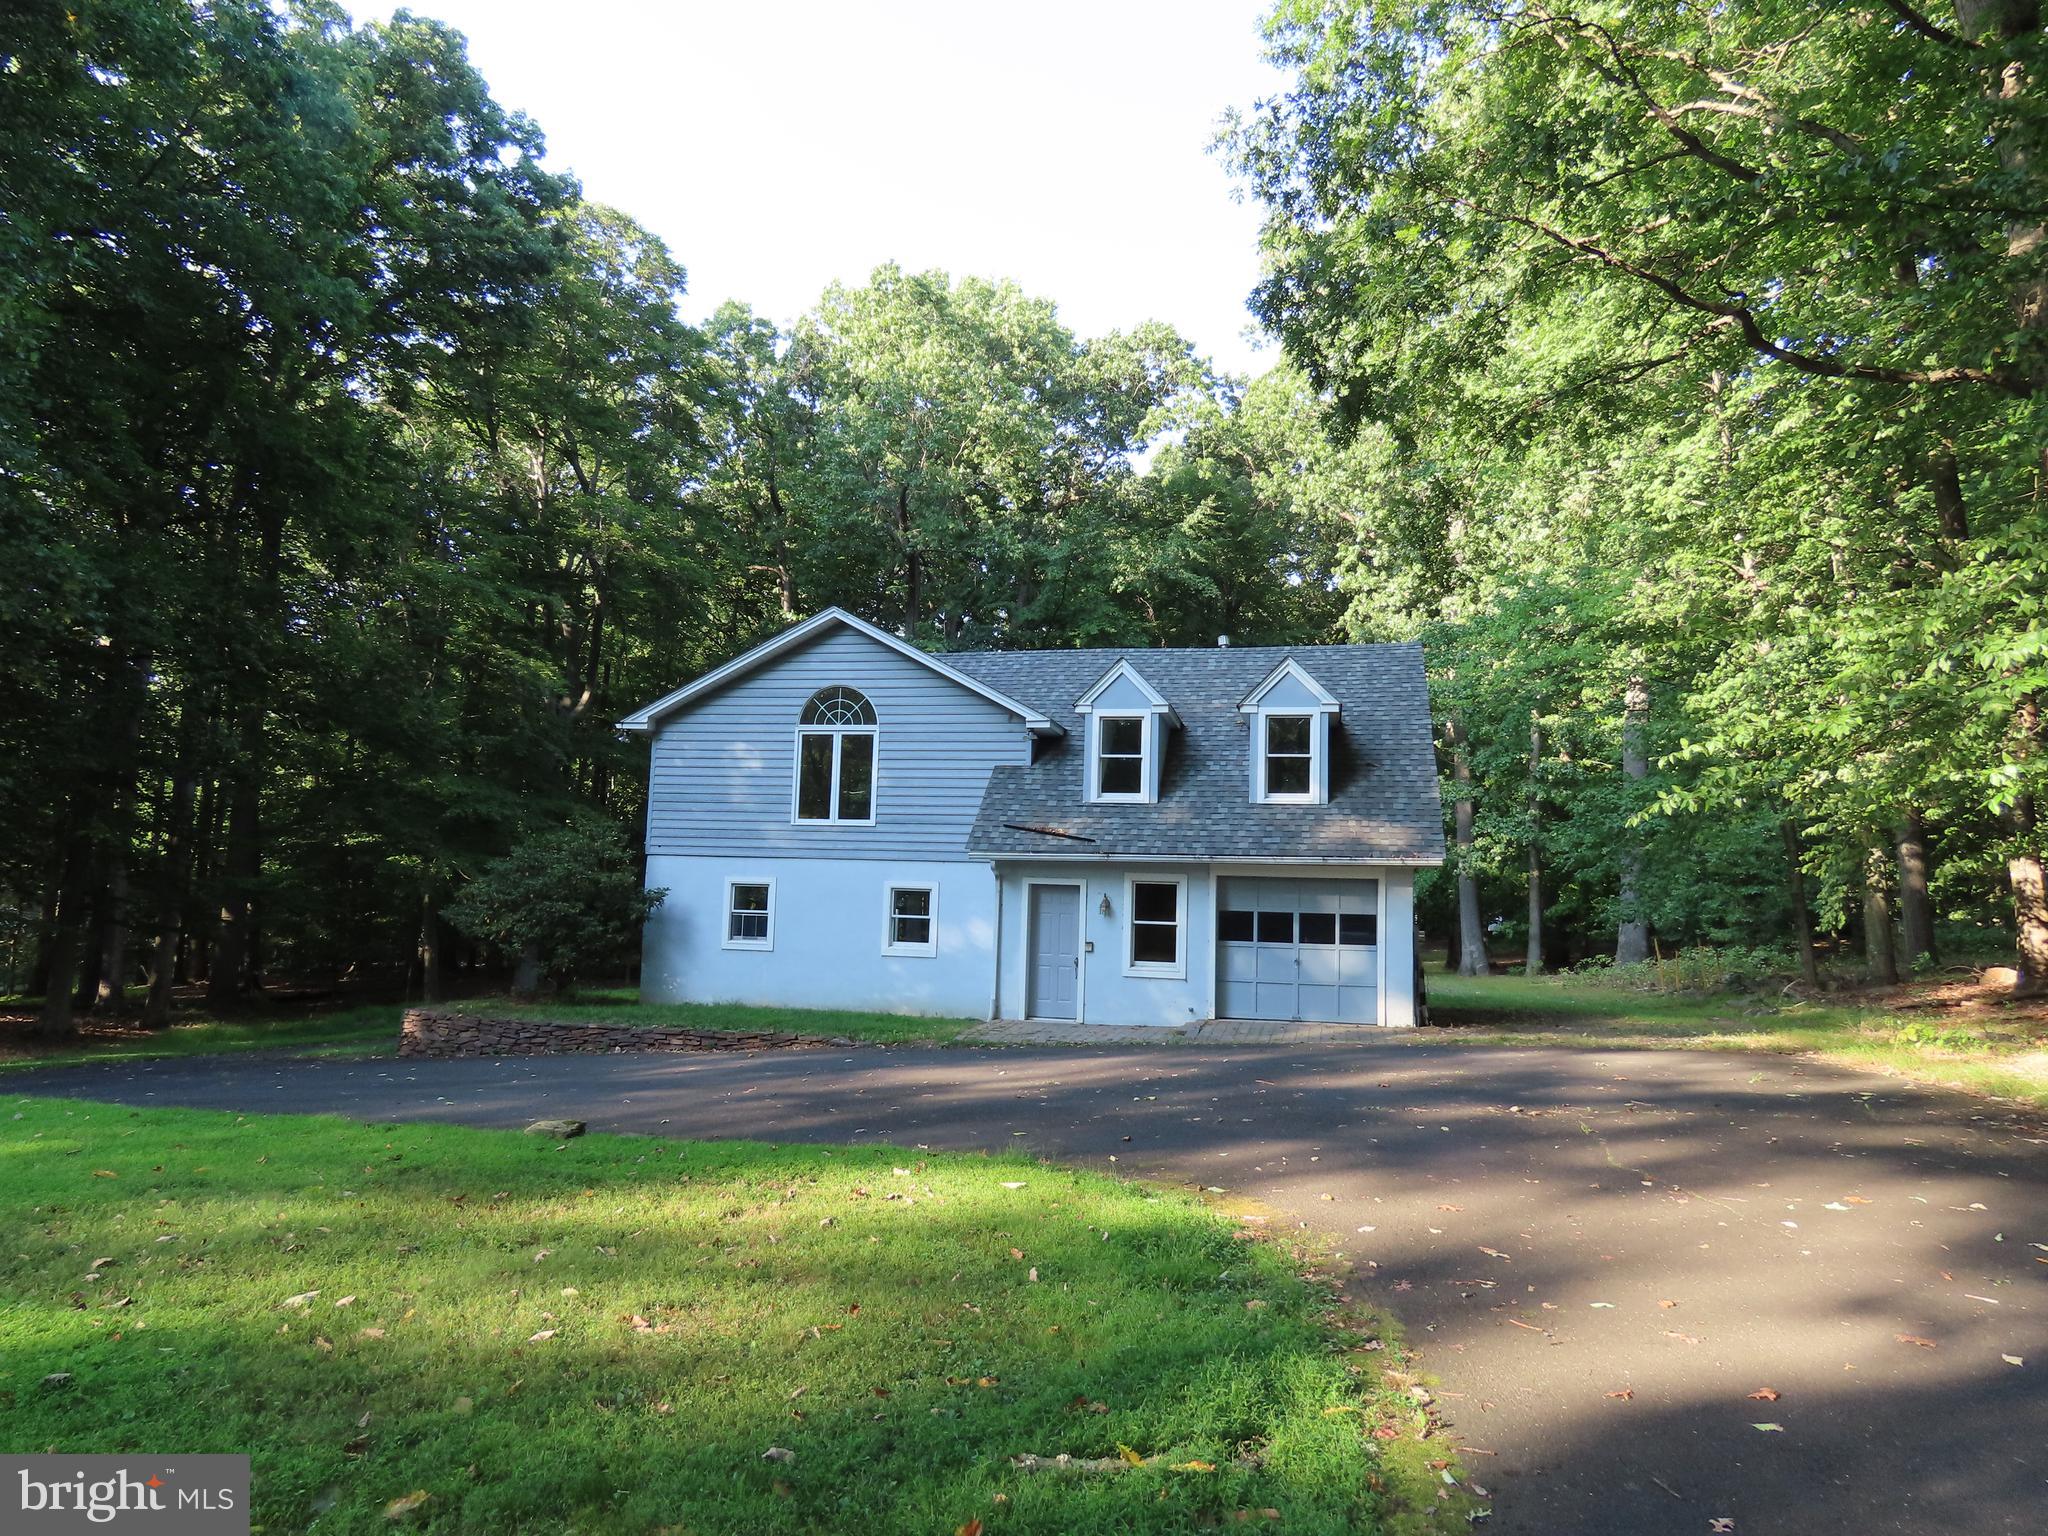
1288, 686
797, 635
1123, 687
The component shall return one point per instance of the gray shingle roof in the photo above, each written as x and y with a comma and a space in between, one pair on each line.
1383, 805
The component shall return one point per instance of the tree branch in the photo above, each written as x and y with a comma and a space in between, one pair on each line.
1745, 320
1933, 31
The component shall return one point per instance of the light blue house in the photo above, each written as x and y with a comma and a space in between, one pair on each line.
843, 820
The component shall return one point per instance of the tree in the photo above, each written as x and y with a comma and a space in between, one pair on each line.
563, 903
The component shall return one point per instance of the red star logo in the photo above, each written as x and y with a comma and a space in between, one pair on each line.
155, 1481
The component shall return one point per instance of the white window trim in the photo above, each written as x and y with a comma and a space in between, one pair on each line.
1318, 733
889, 944
726, 940
1155, 969
838, 733
1147, 736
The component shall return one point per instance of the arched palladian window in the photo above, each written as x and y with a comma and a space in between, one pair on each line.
835, 758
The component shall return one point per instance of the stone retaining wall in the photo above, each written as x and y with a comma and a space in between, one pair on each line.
427, 1032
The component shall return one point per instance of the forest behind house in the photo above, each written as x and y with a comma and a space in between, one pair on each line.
1675, 374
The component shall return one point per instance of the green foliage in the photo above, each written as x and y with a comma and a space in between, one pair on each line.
567, 900
1708, 347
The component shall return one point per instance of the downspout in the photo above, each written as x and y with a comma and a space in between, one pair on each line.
995, 984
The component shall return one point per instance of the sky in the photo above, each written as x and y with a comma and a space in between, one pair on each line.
781, 145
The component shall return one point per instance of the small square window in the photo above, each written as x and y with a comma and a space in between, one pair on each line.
749, 915
1318, 927
1155, 927
912, 920
1358, 928
1234, 927
1276, 927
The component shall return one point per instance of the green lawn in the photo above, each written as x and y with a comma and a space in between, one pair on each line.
2001, 1051
348, 1031
622, 1006
607, 1335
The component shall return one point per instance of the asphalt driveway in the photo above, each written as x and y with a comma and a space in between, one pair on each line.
1601, 1255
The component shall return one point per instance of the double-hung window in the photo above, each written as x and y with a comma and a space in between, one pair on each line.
835, 758
749, 914
1157, 910
1120, 757
1290, 757
911, 920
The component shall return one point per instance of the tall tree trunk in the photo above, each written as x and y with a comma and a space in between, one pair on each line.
1916, 913
57, 1019
1471, 929
236, 961
1880, 957
2024, 869
913, 564
433, 946
1802, 912
174, 875
1532, 963
1632, 937
110, 985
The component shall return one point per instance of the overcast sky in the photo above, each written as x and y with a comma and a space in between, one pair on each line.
782, 144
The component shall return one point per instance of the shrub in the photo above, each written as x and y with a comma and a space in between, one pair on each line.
1704, 968
564, 902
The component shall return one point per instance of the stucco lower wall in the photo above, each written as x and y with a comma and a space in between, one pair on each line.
828, 934
1108, 996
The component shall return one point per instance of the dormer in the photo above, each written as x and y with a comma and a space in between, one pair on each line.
1291, 717
1127, 720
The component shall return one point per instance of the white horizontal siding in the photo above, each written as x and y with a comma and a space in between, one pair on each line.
720, 780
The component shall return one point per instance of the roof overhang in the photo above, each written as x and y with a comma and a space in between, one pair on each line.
1155, 701
796, 635
1326, 702
1081, 856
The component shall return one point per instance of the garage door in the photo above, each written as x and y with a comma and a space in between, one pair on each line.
1298, 949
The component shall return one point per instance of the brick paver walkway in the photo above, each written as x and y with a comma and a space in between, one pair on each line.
1208, 1032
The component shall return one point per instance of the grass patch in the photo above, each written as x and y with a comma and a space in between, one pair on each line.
352, 1031
622, 1006
1992, 1049
606, 1335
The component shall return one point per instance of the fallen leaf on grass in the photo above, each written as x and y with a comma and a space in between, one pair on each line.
1765, 1395
401, 1507
370, 1333
1130, 1456
545, 1333
778, 1453
1193, 1466
1914, 1338
971, 1528
303, 1299
105, 1173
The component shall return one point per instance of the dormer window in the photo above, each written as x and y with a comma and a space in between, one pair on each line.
1291, 717
1126, 739
835, 759
1120, 757
1290, 757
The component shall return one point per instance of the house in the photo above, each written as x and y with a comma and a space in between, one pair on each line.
843, 820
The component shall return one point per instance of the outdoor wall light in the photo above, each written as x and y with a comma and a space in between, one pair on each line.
1105, 905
